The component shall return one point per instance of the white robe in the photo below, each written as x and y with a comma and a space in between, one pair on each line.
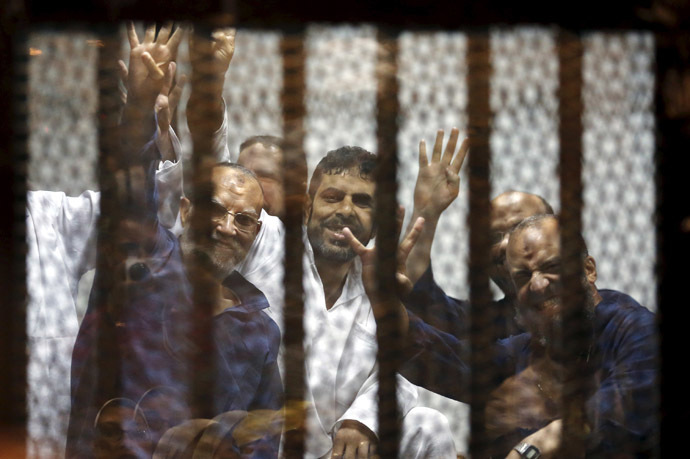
340, 348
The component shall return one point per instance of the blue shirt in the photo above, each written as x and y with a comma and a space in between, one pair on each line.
622, 408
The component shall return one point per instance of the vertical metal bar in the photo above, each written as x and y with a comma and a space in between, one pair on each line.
13, 84
576, 335
295, 179
388, 330
202, 359
478, 75
109, 359
673, 224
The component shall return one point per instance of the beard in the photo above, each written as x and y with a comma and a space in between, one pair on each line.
546, 324
335, 249
218, 256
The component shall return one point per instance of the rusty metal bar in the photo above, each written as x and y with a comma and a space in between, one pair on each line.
576, 336
109, 360
294, 179
14, 133
478, 75
388, 332
202, 358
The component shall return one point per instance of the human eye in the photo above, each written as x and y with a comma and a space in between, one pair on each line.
218, 212
364, 201
244, 220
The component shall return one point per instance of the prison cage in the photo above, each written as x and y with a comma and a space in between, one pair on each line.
589, 111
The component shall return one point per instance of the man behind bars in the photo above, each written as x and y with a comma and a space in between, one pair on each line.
142, 314
340, 330
523, 411
436, 188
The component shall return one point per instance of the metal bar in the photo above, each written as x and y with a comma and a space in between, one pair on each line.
576, 336
202, 359
295, 179
478, 75
14, 132
388, 332
109, 361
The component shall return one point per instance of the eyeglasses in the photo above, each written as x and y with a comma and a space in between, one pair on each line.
243, 222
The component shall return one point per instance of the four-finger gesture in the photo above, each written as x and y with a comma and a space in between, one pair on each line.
438, 181
148, 61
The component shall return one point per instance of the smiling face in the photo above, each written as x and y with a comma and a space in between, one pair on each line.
342, 200
534, 261
225, 241
507, 211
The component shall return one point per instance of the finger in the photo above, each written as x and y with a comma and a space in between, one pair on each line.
176, 93
155, 72
350, 450
456, 165
122, 70
168, 78
423, 161
436, 154
164, 33
410, 240
150, 34
175, 40
357, 246
399, 217
338, 448
363, 450
450, 147
132, 35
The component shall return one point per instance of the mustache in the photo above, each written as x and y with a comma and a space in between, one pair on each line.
339, 221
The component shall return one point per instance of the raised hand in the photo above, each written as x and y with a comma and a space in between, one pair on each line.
437, 187
438, 181
166, 104
220, 48
148, 61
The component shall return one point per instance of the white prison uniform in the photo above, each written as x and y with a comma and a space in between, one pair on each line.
61, 242
340, 348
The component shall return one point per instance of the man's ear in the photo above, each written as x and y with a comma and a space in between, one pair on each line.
185, 210
590, 269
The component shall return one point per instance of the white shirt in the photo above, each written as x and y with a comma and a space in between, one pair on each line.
340, 343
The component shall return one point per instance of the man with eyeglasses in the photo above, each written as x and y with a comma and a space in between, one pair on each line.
144, 307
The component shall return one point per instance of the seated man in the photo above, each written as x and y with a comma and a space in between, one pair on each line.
340, 329
621, 405
142, 312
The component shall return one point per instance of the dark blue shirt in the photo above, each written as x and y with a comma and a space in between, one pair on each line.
144, 321
622, 408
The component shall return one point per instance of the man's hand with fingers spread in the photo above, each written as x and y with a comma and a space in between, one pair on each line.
148, 61
438, 184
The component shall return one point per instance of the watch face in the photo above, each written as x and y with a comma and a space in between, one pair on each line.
531, 452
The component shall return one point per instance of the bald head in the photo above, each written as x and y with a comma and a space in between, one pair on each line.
507, 211
263, 156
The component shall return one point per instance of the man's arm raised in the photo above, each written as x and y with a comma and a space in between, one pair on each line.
438, 184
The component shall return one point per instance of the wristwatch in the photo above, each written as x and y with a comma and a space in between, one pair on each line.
527, 451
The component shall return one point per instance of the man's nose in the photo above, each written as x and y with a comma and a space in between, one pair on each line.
538, 283
345, 208
227, 225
